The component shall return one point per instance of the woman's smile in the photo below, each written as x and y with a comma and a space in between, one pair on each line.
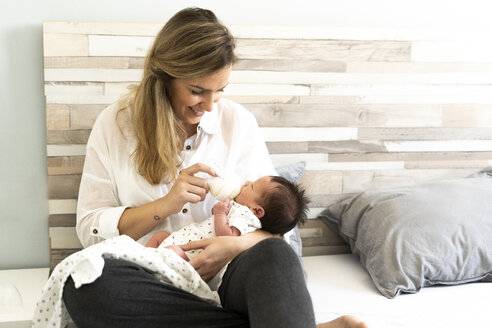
197, 113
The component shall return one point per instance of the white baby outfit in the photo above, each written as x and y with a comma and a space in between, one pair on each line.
239, 216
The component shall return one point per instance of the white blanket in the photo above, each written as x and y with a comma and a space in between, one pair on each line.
86, 266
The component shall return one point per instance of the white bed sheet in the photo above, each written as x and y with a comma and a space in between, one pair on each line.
339, 285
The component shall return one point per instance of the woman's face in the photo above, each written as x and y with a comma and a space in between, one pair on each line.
191, 98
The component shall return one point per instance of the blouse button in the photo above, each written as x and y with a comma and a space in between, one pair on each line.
94, 231
184, 210
188, 147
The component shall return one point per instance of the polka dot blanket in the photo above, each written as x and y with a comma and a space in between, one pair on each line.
86, 266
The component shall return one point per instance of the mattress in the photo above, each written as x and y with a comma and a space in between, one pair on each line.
339, 285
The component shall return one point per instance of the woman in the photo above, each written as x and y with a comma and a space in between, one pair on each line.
146, 166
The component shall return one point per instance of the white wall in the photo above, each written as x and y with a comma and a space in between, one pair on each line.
23, 194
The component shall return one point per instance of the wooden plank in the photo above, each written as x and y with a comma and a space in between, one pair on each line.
316, 233
278, 31
287, 147
58, 255
355, 166
414, 156
322, 182
289, 65
472, 50
347, 146
313, 32
64, 237
65, 170
62, 206
396, 90
137, 62
395, 78
63, 186
357, 181
57, 116
56, 44
308, 134
75, 161
330, 115
73, 88
65, 150
438, 145
418, 67
61, 137
332, 50
476, 115
62, 220
328, 199
88, 62
117, 88
389, 33
105, 28
126, 46
287, 159
84, 116
477, 164
264, 99
425, 133
339, 100
92, 74
428, 95
257, 89
81, 99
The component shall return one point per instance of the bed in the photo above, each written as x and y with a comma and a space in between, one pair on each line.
364, 110
339, 285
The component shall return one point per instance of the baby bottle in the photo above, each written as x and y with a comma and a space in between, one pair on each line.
225, 188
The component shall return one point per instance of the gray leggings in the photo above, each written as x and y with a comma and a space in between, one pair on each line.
262, 287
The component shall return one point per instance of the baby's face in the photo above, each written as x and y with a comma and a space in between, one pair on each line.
251, 192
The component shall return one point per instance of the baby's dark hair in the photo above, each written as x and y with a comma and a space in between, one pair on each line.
285, 205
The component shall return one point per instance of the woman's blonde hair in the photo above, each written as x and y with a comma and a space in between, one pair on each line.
193, 43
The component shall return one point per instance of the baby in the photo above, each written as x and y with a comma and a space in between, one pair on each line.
271, 203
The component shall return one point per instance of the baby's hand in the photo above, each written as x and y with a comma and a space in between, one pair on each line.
222, 207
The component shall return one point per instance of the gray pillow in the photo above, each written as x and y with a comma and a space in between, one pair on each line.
438, 233
293, 173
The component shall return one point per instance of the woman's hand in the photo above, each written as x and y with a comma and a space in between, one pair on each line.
187, 188
138, 221
218, 251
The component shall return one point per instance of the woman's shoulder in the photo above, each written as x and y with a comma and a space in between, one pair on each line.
112, 121
231, 110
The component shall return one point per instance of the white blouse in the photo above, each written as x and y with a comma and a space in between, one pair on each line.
228, 139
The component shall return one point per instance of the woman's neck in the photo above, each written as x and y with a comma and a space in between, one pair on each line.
191, 130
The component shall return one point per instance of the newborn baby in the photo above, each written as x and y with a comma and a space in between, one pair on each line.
270, 203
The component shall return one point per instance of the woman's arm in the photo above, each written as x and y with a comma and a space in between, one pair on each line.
137, 222
218, 251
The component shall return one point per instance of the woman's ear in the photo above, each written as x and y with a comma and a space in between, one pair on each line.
259, 212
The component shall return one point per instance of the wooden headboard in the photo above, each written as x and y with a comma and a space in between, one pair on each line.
364, 107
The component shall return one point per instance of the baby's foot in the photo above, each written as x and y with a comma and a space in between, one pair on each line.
345, 321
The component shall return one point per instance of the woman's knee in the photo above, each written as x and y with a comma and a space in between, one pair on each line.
272, 248
272, 255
